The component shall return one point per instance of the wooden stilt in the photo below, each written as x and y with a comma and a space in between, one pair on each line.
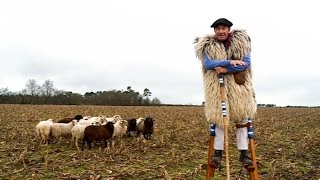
253, 169
210, 166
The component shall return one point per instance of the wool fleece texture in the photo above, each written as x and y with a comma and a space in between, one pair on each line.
241, 103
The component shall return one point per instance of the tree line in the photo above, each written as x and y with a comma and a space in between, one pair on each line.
46, 93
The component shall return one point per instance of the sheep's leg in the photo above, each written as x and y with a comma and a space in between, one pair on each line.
138, 134
76, 143
42, 138
149, 136
46, 139
84, 142
112, 143
105, 143
71, 142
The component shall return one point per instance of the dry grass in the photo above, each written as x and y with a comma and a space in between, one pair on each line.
287, 141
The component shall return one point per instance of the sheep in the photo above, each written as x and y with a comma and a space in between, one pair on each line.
120, 129
99, 119
145, 126
132, 126
43, 130
114, 119
97, 133
67, 120
57, 130
139, 120
77, 132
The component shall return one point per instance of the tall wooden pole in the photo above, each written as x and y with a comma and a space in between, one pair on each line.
225, 122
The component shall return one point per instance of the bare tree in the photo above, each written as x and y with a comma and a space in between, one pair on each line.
156, 100
32, 88
48, 88
5, 91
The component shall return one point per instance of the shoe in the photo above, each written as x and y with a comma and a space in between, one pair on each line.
217, 156
245, 159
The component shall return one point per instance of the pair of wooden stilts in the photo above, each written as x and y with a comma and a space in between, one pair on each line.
252, 169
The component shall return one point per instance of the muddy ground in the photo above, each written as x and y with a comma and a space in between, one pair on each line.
287, 145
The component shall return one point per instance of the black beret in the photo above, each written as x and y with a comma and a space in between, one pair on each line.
222, 21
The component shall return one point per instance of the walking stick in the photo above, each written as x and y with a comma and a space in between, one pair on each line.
225, 122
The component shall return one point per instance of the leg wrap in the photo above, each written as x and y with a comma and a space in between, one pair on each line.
219, 138
242, 135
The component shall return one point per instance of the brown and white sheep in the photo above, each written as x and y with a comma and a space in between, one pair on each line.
77, 132
97, 133
145, 126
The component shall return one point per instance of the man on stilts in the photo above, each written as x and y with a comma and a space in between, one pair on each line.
227, 52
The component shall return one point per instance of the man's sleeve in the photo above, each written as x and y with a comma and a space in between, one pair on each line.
210, 64
238, 68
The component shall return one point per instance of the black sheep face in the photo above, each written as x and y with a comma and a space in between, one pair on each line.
148, 128
78, 117
148, 122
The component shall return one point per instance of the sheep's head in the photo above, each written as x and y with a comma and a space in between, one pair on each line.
149, 121
96, 123
78, 117
117, 117
86, 117
74, 122
141, 119
103, 120
123, 123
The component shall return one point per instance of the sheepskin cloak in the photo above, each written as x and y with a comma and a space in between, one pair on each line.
241, 102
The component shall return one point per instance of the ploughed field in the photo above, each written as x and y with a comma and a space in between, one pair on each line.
287, 139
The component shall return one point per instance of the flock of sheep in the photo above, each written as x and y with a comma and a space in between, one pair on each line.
93, 129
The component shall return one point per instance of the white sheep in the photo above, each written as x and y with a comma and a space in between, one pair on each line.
92, 120
139, 120
113, 119
57, 130
120, 129
77, 133
43, 130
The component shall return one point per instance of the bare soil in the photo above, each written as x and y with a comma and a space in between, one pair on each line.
287, 145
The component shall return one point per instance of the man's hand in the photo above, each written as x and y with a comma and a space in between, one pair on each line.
220, 70
237, 62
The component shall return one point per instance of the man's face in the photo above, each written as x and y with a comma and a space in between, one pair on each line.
221, 32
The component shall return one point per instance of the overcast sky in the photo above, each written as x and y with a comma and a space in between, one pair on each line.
111, 44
